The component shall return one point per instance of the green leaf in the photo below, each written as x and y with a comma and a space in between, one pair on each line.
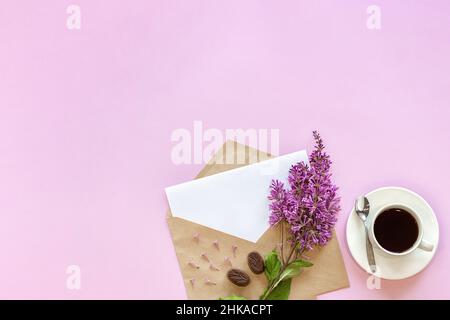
293, 270
233, 297
272, 266
303, 263
281, 291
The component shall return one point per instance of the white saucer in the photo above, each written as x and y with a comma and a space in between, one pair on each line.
394, 268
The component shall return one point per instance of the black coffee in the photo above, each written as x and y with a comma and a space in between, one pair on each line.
396, 230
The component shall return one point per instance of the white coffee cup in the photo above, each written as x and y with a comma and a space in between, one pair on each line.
420, 243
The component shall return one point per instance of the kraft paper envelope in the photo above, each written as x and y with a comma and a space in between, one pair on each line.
327, 274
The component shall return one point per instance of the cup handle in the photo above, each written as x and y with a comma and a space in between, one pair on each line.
425, 245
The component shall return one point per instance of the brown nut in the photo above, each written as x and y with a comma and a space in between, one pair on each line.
255, 262
238, 277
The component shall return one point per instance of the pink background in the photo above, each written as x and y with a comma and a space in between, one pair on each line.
86, 118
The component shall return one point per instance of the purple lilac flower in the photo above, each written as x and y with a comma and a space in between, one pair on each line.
310, 203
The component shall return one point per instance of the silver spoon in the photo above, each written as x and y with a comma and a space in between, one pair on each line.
362, 208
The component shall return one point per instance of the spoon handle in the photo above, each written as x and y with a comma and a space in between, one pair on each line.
370, 255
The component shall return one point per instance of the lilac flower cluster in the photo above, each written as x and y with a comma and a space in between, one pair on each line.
310, 204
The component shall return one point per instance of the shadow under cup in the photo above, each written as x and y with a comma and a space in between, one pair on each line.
397, 230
